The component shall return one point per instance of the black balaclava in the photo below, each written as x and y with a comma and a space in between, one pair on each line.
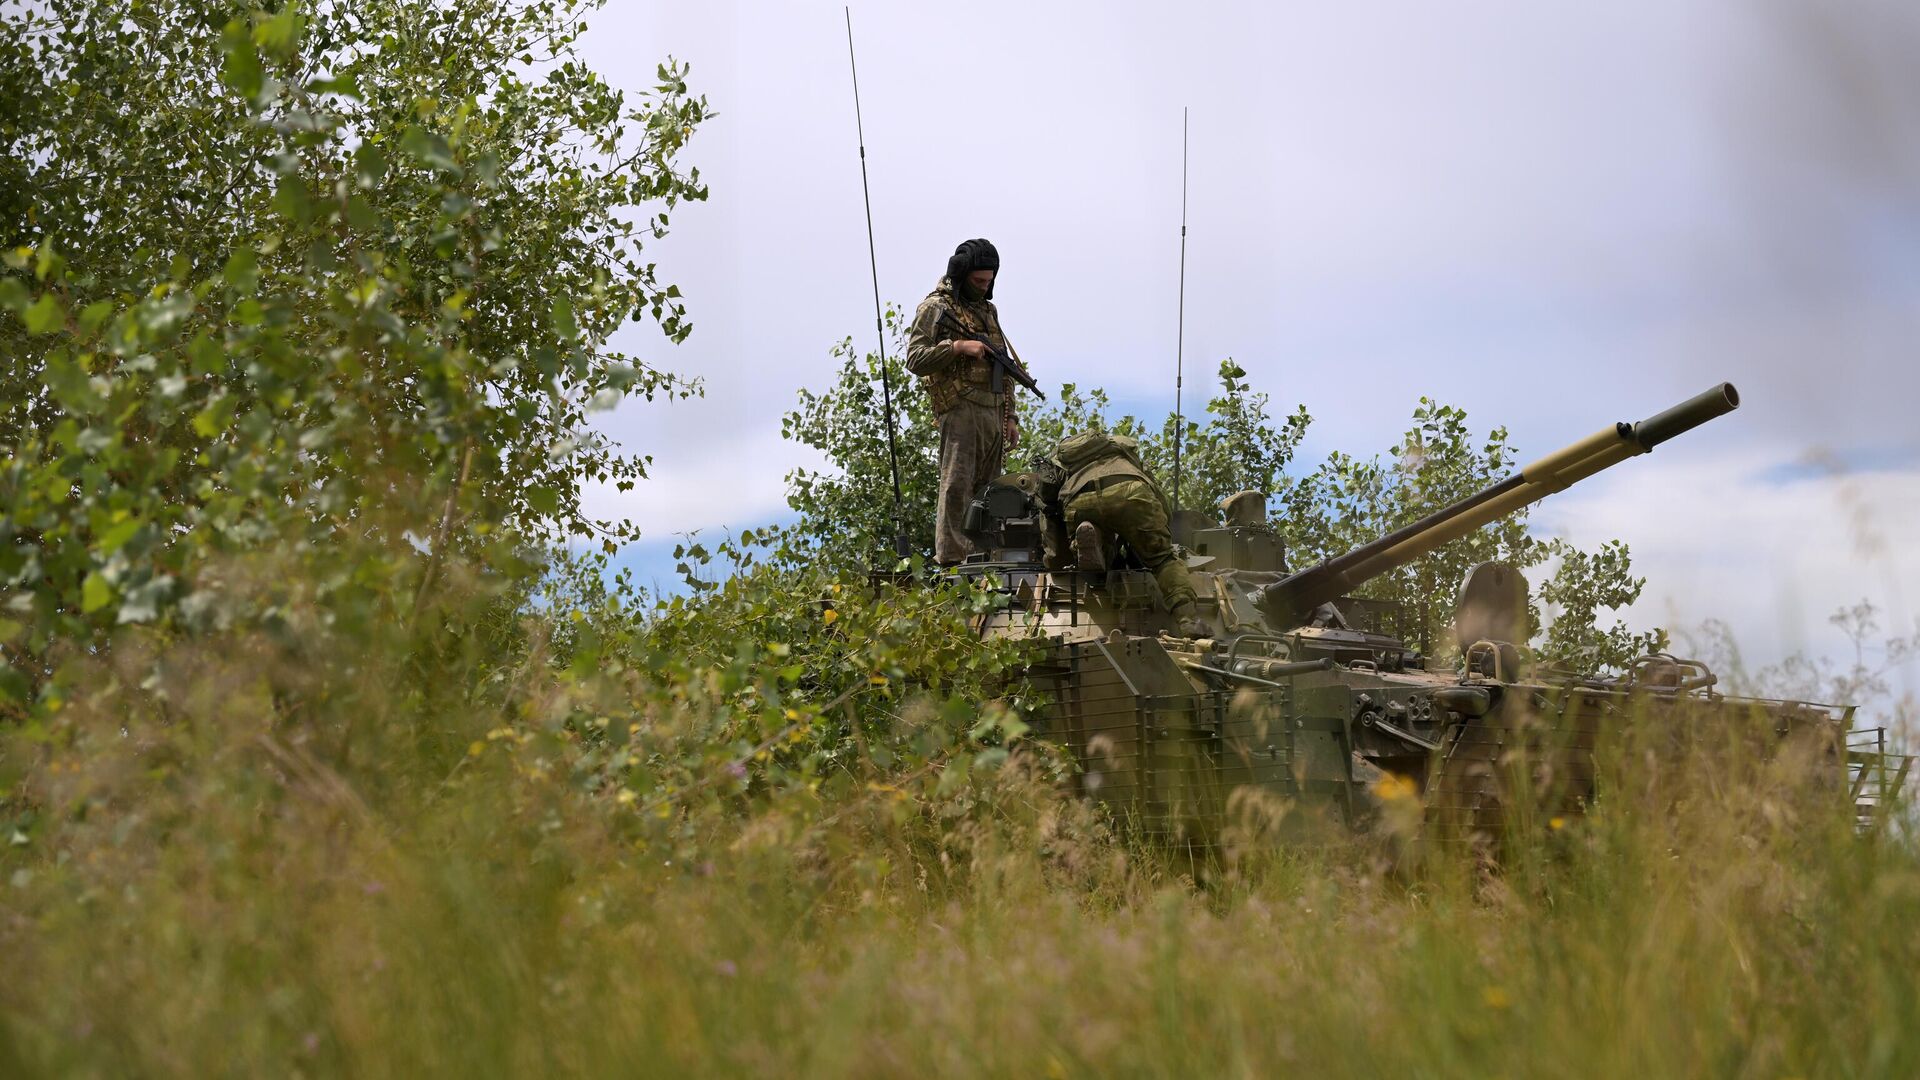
968, 257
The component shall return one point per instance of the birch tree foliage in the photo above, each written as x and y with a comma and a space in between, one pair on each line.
339, 280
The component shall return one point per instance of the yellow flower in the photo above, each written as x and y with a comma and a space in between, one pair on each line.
627, 797
1393, 788
828, 616
1557, 823
1495, 997
476, 749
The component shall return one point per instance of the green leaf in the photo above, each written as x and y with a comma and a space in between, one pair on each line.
67, 381
95, 314
343, 85
46, 315
292, 200
14, 295
208, 357
95, 593
428, 148
543, 500
14, 688
243, 270
563, 320
116, 536
241, 69
279, 34
369, 164
215, 418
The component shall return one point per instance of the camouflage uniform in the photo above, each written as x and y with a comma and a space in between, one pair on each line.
1112, 490
971, 416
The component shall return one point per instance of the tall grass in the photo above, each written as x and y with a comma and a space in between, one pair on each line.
246, 858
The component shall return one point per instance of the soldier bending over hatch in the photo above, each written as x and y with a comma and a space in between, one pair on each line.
1107, 490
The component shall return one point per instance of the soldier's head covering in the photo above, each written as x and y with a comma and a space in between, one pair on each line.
968, 257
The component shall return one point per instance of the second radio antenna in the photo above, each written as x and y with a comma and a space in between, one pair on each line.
1180, 341
901, 547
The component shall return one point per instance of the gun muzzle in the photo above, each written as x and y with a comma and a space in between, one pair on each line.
1686, 416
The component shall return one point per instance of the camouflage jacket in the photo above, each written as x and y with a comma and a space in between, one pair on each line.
943, 318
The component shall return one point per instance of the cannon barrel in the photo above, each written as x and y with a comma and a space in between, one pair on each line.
1289, 600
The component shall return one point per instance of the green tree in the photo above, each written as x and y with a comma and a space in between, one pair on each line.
1348, 501
847, 512
334, 279
1345, 501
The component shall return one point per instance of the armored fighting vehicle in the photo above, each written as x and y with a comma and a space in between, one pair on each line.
1304, 696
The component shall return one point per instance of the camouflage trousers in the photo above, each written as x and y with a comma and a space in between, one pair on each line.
973, 450
1134, 511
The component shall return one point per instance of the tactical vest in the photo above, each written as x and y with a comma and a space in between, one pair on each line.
969, 381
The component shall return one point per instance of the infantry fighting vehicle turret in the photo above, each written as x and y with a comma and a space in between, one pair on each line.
1301, 695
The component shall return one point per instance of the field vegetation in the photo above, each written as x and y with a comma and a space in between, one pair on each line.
332, 741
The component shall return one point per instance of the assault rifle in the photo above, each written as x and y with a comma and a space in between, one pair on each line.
1004, 366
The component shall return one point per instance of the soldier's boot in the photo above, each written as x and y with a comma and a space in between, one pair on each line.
1088, 554
1187, 622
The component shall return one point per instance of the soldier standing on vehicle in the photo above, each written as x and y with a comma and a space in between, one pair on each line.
951, 346
1106, 491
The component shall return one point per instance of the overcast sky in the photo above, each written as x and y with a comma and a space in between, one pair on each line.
1555, 219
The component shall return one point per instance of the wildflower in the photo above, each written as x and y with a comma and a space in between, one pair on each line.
1394, 788
1495, 997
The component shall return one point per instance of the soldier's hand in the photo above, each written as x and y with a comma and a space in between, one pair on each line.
1010, 430
972, 350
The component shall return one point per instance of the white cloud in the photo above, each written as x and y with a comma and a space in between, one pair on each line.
716, 482
1773, 551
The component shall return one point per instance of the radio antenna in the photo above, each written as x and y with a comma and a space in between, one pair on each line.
1180, 341
901, 547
